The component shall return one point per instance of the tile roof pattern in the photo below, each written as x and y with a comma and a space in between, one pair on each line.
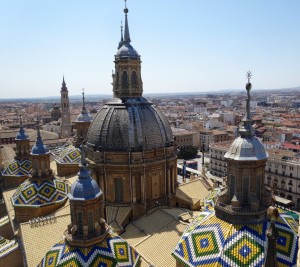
70, 154
18, 167
37, 192
112, 251
210, 241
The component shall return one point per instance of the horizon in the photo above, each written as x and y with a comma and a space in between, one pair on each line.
194, 47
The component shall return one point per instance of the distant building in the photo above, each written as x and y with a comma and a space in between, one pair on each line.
184, 138
66, 126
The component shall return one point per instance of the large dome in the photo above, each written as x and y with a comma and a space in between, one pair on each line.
129, 124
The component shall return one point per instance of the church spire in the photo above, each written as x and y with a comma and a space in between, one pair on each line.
127, 80
66, 127
126, 32
83, 111
22, 135
247, 131
122, 39
63, 85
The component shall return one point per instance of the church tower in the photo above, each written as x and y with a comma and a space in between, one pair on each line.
82, 123
87, 225
22, 143
127, 80
66, 127
245, 200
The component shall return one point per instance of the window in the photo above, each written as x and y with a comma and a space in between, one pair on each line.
80, 223
245, 189
91, 223
258, 185
118, 190
134, 79
124, 80
232, 184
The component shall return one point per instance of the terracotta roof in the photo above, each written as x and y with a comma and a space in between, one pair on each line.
39, 238
154, 236
193, 191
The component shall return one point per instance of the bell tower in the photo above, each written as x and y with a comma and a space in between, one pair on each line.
245, 200
66, 127
127, 79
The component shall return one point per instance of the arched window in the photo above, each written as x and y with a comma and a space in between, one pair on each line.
134, 81
80, 223
118, 190
91, 223
289, 197
124, 79
245, 189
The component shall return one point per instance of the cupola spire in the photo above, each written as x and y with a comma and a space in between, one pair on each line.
64, 85
83, 111
22, 135
122, 39
126, 31
246, 131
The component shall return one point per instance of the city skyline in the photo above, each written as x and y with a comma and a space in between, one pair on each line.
195, 47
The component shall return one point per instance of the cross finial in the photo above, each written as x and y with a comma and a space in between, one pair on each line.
249, 76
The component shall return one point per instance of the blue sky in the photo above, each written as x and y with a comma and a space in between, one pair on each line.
185, 46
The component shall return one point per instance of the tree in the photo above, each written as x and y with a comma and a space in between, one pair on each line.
189, 152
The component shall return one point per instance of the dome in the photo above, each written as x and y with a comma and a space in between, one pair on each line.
127, 51
246, 149
112, 251
22, 135
210, 241
18, 168
36, 193
70, 154
84, 117
85, 187
39, 149
129, 124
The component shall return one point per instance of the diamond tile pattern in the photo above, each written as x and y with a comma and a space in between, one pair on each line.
70, 154
18, 168
40, 192
112, 251
210, 241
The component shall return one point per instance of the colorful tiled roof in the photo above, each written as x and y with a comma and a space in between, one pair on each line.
18, 167
37, 192
210, 241
70, 155
112, 251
